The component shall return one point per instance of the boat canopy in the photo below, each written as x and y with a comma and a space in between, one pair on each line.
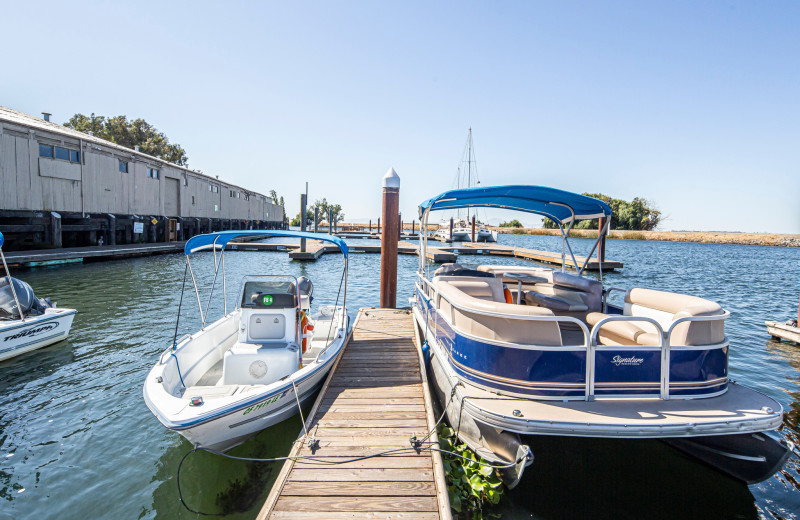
220, 239
559, 205
1, 240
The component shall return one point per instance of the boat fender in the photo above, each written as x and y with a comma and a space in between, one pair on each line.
507, 294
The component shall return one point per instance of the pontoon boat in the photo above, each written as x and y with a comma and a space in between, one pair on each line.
27, 322
254, 366
525, 350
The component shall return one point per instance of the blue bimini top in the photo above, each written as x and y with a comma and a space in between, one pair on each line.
559, 205
220, 239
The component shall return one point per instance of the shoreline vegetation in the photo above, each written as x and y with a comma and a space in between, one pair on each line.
702, 237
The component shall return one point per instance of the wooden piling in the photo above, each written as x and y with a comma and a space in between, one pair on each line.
601, 247
473, 228
389, 239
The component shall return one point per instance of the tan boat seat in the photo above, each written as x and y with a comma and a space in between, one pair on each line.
663, 307
470, 314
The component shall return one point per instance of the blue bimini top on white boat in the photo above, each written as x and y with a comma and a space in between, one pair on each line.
220, 239
1, 239
561, 206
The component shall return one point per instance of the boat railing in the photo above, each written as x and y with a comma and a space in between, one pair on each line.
591, 343
608, 292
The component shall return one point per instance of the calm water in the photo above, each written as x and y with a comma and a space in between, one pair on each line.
77, 441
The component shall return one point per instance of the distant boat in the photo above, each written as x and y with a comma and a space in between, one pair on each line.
27, 322
462, 229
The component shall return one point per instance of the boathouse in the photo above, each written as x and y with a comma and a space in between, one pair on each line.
60, 187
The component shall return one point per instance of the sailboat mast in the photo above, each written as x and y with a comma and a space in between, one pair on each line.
469, 165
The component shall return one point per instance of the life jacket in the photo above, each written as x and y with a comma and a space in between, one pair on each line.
507, 294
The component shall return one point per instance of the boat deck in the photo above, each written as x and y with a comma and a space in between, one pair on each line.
374, 400
736, 411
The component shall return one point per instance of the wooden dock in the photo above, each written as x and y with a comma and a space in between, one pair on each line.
439, 255
45, 257
375, 398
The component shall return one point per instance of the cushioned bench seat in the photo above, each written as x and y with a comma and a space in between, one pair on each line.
554, 303
664, 308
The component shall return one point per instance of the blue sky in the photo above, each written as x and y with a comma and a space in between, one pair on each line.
693, 105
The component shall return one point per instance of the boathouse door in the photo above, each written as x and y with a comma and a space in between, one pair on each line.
172, 203
172, 230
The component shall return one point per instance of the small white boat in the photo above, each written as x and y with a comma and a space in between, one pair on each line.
27, 322
531, 351
257, 364
485, 235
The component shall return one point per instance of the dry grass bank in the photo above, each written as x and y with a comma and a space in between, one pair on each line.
706, 237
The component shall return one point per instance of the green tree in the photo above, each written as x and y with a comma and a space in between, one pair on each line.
513, 223
324, 206
278, 202
130, 134
637, 215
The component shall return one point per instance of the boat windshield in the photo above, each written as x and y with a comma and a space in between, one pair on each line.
272, 293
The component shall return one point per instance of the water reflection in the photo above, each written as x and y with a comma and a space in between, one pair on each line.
617, 479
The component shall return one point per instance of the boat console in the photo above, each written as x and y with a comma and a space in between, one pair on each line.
268, 343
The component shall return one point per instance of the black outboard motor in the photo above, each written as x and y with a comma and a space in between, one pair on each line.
306, 287
29, 303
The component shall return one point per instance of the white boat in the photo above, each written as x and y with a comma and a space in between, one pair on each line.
531, 351
257, 364
27, 322
461, 232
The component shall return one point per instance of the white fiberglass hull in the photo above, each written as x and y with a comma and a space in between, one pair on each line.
18, 336
228, 414
486, 235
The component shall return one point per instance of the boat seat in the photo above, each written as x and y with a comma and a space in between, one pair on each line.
500, 270
555, 303
664, 307
470, 315
489, 289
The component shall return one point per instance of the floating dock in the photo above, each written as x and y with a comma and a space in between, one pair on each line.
45, 257
375, 399
779, 330
315, 249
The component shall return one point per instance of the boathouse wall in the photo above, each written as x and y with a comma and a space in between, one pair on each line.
53, 178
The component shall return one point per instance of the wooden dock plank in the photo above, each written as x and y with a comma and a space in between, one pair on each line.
373, 401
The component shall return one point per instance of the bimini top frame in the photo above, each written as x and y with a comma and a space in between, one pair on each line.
8, 275
217, 242
562, 207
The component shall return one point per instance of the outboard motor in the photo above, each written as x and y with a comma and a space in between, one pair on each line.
30, 305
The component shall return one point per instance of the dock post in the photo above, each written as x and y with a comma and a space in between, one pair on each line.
412, 227
451, 228
601, 247
316, 219
390, 239
303, 221
400, 225
330, 221
55, 229
370, 225
112, 230
379, 226
473, 228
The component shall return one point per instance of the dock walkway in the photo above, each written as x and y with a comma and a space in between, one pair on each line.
41, 257
374, 400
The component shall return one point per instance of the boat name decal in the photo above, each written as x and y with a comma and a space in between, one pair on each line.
628, 361
32, 332
264, 403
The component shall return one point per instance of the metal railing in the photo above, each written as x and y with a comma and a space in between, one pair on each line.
591, 345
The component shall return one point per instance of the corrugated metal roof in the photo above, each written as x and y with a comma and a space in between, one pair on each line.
21, 118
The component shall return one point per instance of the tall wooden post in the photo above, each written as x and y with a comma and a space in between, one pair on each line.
316, 219
400, 225
473, 228
412, 227
330, 221
389, 239
451, 228
370, 225
601, 247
